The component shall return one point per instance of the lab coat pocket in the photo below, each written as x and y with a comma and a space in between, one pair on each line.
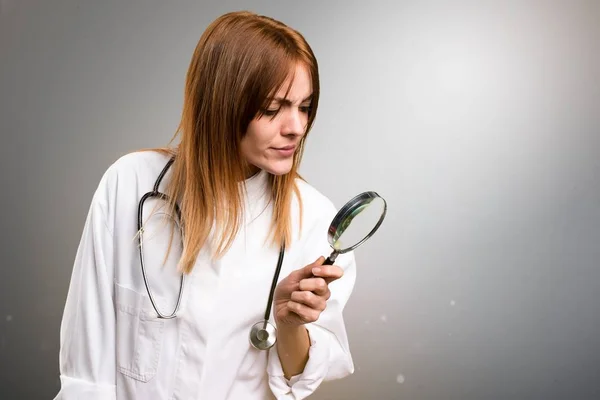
139, 334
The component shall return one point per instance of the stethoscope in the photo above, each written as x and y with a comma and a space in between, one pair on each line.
263, 334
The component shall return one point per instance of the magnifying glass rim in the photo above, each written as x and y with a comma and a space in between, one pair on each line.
347, 209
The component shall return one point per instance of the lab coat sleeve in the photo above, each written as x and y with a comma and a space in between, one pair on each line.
329, 354
87, 333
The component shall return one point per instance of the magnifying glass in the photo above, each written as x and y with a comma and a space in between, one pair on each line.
354, 223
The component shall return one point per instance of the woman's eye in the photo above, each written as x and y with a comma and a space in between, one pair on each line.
271, 112
305, 109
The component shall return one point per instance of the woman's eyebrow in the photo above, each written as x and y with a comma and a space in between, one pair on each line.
282, 100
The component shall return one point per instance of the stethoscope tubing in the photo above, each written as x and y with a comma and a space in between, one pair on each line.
268, 331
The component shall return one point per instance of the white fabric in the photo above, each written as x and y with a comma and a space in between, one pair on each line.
114, 347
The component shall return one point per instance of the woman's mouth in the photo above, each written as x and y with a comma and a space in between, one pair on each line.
285, 151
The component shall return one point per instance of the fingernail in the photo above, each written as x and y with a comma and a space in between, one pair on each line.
316, 270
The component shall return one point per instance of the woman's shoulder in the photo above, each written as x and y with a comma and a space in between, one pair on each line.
136, 165
138, 162
129, 175
315, 204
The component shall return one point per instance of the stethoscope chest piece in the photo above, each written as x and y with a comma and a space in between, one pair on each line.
263, 335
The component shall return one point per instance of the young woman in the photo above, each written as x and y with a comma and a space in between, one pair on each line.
170, 311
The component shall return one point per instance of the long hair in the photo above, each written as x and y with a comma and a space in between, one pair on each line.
241, 60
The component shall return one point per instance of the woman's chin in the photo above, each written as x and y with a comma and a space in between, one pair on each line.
278, 168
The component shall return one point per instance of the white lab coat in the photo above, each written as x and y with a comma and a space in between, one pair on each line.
113, 346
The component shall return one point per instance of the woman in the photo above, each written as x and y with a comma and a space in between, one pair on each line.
233, 189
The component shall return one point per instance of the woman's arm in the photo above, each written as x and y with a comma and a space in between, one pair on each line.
87, 334
299, 371
300, 299
293, 343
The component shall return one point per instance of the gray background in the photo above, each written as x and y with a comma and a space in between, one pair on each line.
477, 121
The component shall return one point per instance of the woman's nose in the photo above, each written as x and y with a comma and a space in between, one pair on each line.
295, 122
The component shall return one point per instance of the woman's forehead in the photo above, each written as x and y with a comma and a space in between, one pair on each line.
297, 88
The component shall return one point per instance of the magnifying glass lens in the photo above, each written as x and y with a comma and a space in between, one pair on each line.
358, 223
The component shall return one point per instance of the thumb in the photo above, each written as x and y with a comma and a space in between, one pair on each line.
307, 271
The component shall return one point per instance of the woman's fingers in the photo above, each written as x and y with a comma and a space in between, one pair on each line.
304, 312
309, 299
315, 285
309, 292
328, 272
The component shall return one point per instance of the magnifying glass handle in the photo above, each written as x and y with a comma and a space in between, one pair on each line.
331, 259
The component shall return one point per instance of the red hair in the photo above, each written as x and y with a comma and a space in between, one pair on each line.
240, 62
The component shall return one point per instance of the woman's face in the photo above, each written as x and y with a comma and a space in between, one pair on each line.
271, 140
